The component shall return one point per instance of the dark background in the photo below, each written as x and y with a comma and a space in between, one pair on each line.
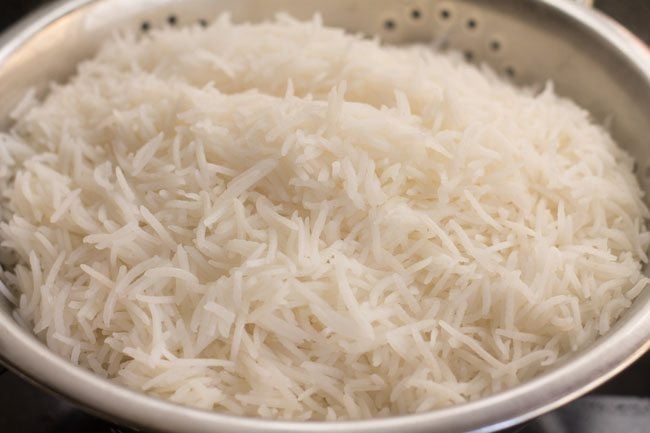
620, 406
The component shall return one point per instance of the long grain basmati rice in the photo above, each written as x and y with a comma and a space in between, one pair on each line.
283, 220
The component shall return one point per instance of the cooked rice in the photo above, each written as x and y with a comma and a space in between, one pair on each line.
286, 221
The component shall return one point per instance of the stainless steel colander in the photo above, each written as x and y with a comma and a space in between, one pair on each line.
590, 58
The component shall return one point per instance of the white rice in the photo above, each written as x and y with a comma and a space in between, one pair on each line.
282, 220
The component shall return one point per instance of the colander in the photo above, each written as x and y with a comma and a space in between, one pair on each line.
590, 58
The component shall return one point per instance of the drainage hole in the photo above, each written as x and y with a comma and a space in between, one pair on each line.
390, 24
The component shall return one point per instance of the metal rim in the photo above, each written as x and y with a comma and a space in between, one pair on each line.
629, 339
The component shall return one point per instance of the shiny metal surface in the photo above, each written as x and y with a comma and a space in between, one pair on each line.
590, 58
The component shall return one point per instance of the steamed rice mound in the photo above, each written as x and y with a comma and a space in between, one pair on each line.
286, 221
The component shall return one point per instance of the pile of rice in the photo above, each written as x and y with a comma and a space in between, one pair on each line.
286, 221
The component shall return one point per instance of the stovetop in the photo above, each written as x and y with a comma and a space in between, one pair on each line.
620, 406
